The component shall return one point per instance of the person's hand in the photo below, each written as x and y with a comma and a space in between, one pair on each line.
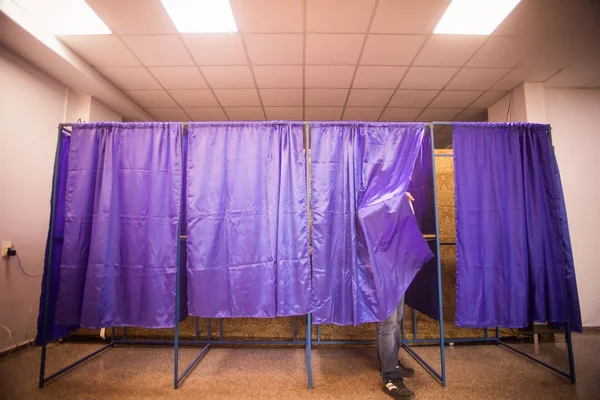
409, 197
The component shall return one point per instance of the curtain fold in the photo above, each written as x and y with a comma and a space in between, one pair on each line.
123, 195
247, 220
367, 246
514, 260
422, 294
55, 331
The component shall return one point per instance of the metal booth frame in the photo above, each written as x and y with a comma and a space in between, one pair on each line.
206, 344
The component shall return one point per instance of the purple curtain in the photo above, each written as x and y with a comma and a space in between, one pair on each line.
121, 226
53, 330
514, 258
247, 220
422, 294
367, 246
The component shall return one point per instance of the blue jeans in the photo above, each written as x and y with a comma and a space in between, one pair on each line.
388, 344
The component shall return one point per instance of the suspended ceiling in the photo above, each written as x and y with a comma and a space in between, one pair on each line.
339, 59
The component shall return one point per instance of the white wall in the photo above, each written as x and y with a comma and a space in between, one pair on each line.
100, 112
575, 118
78, 107
520, 105
31, 107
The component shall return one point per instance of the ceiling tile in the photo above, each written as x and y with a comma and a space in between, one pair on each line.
427, 77
268, 16
284, 113
533, 19
557, 52
323, 113
101, 50
278, 76
476, 78
245, 113
333, 49
179, 77
133, 17
595, 85
281, 97
338, 16
325, 97
502, 52
151, 98
194, 98
338, 76
130, 78
455, 98
517, 76
372, 77
369, 97
230, 77
591, 59
581, 19
400, 114
412, 98
488, 99
408, 16
472, 115
237, 97
171, 114
206, 113
216, 49
438, 114
159, 50
573, 78
448, 50
391, 49
362, 113
273, 49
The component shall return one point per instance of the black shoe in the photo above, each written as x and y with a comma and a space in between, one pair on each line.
407, 372
397, 389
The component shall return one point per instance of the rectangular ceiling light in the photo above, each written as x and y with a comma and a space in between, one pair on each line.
474, 17
65, 17
201, 16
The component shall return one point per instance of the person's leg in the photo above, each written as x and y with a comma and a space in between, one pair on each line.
407, 372
388, 347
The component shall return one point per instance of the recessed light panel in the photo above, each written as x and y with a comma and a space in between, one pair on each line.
474, 17
201, 16
65, 17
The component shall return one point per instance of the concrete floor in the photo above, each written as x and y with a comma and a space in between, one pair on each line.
474, 372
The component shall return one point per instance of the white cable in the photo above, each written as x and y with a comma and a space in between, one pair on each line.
9, 333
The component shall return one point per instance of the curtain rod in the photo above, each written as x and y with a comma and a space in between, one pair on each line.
435, 123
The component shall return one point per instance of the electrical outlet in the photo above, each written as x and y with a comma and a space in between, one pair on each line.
5, 247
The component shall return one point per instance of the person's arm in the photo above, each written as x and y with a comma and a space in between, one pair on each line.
410, 201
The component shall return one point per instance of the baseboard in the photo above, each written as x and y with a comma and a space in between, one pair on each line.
591, 329
16, 348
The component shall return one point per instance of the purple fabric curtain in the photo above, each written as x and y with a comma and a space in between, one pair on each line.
122, 213
421, 187
53, 330
422, 294
514, 259
367, 246
247, 220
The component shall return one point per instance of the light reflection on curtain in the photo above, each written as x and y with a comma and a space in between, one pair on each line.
247, 220
121, 226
